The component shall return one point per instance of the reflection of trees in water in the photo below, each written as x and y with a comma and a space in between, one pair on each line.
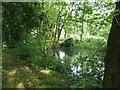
78, 62
89, 63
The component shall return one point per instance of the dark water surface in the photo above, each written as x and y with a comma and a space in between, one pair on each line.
79, 62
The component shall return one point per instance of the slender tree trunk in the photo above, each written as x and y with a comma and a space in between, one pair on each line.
56, 28
65, 35
112, 58
60, 30
82, 31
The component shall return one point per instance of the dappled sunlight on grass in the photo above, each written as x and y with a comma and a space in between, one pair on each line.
20, 85
18, 75
12, 73
26, 69
30, 83
45, 71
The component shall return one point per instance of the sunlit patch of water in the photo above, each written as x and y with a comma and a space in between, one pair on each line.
76, 70
90, 70
61, 54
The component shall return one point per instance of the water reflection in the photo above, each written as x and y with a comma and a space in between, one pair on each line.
76, 70
78, 62
61, 55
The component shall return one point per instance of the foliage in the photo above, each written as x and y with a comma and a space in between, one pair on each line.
32, 53
87, 82
34, 30
17, 74
68, 43
17, 21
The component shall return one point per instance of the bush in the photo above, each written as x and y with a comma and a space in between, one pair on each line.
87, 82
32, 54
24, 52
49, 62
68, 43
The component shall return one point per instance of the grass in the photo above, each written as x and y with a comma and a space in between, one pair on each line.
19, 75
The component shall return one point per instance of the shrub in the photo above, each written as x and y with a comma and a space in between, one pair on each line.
68, 43
32, 54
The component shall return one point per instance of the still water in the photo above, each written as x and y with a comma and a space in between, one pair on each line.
78, 62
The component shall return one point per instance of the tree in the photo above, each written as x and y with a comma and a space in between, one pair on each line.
112, 58
17, 21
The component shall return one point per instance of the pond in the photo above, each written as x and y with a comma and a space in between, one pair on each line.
80, 62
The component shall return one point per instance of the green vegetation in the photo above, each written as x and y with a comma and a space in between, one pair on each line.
55, 44
68, 43
17, 74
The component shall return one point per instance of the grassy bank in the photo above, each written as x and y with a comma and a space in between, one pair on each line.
19, 75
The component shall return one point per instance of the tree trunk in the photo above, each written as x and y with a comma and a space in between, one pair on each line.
112, 58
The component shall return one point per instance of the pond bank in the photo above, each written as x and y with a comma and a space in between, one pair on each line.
63, 67
19, 75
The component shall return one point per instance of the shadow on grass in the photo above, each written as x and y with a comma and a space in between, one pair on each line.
19, 75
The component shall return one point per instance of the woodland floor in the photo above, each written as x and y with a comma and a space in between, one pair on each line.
19, 75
